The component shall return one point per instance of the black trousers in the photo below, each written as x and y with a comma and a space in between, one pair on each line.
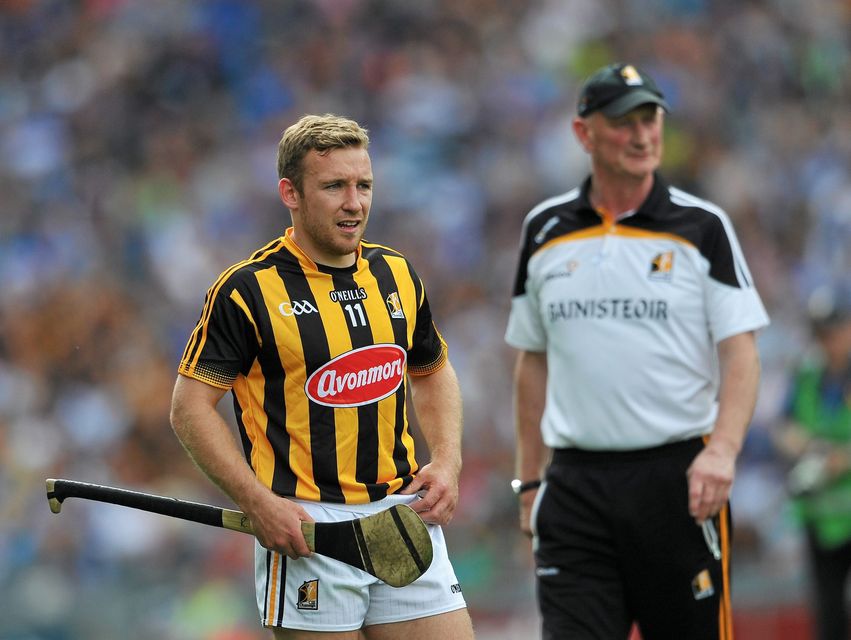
830, 568
615, 544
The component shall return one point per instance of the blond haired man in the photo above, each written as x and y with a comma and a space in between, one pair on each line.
280, 330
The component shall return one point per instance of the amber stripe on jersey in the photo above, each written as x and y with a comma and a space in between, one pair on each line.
298, 317
196, 342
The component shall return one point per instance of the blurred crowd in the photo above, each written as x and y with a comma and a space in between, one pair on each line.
137, 161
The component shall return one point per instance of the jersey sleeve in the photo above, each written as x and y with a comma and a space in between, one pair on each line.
525, 329
732, 301
428, 351
224, 343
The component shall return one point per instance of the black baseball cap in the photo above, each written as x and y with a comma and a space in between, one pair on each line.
617, 89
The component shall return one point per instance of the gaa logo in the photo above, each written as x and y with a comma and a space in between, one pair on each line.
358, 377
296, 308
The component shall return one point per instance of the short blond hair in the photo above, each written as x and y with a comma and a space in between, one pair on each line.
321, 133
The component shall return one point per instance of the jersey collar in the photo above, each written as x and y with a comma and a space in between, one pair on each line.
307, 262
652, 207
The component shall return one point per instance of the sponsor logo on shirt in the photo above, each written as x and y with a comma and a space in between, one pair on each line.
348, 295
608, 308
570, 267
358, 377
542, 234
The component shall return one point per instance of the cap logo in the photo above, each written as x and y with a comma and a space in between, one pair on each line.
631, 76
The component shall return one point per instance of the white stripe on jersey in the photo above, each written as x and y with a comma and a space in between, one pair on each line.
688, 200
573, 194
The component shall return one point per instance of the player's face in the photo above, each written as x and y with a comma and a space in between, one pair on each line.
331, 212
629, 146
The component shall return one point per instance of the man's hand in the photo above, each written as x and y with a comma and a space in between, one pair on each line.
437, 487
277, 524
710, 478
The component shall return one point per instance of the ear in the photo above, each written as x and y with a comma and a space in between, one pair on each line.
289, 194
583, 132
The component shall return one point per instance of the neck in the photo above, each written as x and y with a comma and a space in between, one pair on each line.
617, 195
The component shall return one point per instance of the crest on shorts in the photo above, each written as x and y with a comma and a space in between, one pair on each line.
701, 585
308, 595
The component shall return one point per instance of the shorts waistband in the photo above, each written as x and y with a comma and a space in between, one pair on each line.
366, 507
588, 456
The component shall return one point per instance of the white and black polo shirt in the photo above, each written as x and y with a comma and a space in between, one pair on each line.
629, 315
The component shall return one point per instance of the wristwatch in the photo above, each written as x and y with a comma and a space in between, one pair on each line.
518, 486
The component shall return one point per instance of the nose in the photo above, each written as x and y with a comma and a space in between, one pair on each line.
642, 133
351, 201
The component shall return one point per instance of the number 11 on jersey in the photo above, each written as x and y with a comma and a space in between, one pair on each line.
357, 318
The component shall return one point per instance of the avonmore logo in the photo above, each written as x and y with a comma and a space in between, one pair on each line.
358, 377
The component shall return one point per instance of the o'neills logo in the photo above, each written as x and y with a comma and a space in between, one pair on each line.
358, 377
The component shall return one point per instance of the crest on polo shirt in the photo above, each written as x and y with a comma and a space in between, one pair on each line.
308, 595
662, 266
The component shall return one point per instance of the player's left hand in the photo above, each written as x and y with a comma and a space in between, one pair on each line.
438, 491
710, 478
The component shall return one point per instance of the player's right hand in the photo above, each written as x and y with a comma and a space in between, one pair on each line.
277, 525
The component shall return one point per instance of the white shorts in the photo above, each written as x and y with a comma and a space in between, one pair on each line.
322, 594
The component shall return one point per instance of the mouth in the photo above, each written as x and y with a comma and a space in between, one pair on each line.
350, 228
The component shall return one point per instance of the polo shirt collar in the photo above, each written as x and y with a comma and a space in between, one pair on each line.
652, 207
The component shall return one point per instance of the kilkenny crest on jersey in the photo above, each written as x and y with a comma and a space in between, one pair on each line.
662, 266
394, 305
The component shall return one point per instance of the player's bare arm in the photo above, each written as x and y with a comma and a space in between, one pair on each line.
208, 439
437, 402
711, 474
530, 384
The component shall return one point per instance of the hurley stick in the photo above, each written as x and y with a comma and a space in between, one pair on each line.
393, 545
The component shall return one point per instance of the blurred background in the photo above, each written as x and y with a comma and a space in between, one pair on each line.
137, 162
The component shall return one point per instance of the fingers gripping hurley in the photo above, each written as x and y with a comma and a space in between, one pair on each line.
392, 545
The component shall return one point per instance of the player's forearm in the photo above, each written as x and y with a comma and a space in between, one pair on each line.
740, 371
208, 440
437, 403
530, 383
